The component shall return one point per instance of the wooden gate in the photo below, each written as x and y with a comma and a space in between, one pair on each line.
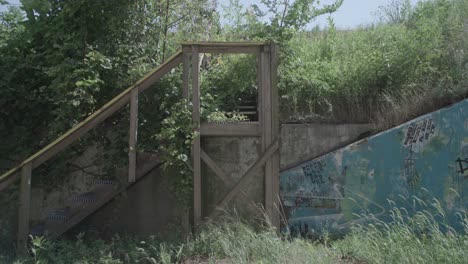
267, 126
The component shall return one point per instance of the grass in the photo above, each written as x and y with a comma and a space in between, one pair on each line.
384, 74
422, 237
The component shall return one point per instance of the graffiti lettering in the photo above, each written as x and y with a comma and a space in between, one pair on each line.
409, 170
463, 165
419, 131
318, 181
314, 172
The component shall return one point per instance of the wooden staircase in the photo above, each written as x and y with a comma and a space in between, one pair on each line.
81, 205
263, 124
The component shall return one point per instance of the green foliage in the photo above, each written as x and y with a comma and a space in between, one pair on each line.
229, 82
419, 238
176, 137
359, 75
287, 17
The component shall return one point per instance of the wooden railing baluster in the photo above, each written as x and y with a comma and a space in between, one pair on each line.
133, 135
196, 155
24, 207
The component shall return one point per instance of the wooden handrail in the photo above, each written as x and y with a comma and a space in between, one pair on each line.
92, 121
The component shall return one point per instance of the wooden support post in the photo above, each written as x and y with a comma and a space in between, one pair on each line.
196, 156
132, 159
275, 133
24, 208
186, 76
266, 110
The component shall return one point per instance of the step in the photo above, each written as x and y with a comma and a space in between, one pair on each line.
60, 215
84, 198
82, 205
38, 230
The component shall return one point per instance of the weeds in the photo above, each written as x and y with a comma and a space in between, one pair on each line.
422, 236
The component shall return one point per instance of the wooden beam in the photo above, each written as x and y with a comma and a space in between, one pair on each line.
215, 168
275, 133
24, 208
9, 181
224, 43
132, 142
186, 76
246, 177
196, 159
224, 49
94, 119
247, 129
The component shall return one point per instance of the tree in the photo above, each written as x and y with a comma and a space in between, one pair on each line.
286, 17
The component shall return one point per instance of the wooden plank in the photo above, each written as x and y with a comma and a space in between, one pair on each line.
186, 76
96, 118
215, 168
246, 177
275, 130
72, 137
133, 134
224, 43
224, 49
266, 126
250, 129
196, 155
9, 181
24, 208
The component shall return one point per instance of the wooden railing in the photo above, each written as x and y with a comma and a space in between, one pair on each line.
266, 128
24, 170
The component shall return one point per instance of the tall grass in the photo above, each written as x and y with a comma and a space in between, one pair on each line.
420, 237
384, 73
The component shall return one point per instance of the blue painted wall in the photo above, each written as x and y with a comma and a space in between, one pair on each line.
425, 158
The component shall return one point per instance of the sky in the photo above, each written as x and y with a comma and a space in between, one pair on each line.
352, 13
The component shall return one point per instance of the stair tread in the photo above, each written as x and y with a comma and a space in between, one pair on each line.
104, 191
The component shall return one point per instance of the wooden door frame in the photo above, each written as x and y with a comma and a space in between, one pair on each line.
266, 128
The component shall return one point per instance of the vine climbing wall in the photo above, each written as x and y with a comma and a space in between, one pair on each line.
418, 165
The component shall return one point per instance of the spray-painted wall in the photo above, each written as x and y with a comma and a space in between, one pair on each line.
425, 158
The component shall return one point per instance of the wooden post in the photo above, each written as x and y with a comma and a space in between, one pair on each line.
186, 76
275, 133
266, 123
133, 135
196, 156
24, 208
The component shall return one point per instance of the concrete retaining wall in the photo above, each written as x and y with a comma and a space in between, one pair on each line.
150, 208
425, 158
234, 155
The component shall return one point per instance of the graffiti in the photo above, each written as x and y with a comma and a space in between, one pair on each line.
419, 131
316, 202
314, 172
409, 171
462, 165
316, 178
421, 159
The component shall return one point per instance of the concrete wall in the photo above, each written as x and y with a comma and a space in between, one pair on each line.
302, 142
146, 208
235, 155
425, 158
150, 208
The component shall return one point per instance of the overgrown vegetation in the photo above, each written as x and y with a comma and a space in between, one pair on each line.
62, 60
385, 73
418, 238
66, 59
